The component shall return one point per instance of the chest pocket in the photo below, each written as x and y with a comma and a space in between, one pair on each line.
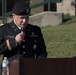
34, 38
32, 41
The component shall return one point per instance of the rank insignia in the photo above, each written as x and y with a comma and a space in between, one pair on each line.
33, 35
13, 26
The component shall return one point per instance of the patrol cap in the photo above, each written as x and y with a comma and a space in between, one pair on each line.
21, 8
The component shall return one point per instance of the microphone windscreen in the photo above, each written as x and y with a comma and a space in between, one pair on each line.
22, 29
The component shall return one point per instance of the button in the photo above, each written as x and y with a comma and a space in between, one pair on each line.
23, 40
23, 52
23, 46
35, 41
34, 47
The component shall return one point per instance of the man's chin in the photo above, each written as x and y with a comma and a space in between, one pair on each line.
23, 26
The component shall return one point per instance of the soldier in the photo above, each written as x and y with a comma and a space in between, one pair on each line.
18, 37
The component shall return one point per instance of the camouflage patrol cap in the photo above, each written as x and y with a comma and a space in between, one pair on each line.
21, 9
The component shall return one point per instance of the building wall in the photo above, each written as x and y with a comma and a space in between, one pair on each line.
43, 7
37, 9
66, 7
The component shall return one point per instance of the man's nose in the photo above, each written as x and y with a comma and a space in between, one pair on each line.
24, 20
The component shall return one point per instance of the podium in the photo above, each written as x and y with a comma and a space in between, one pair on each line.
40, 66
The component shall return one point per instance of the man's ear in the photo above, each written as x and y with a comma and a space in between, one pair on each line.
13, 14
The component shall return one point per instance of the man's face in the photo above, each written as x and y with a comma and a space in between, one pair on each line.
21, 20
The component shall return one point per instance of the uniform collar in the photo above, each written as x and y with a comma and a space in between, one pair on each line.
14, 27
17, 25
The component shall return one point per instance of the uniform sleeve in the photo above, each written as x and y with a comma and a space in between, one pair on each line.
41, 48
3, 45
6, 43
11, 43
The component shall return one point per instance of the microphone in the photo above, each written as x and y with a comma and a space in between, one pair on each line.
22, 32
22, 29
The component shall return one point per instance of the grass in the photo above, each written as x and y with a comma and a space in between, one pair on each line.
61, 40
